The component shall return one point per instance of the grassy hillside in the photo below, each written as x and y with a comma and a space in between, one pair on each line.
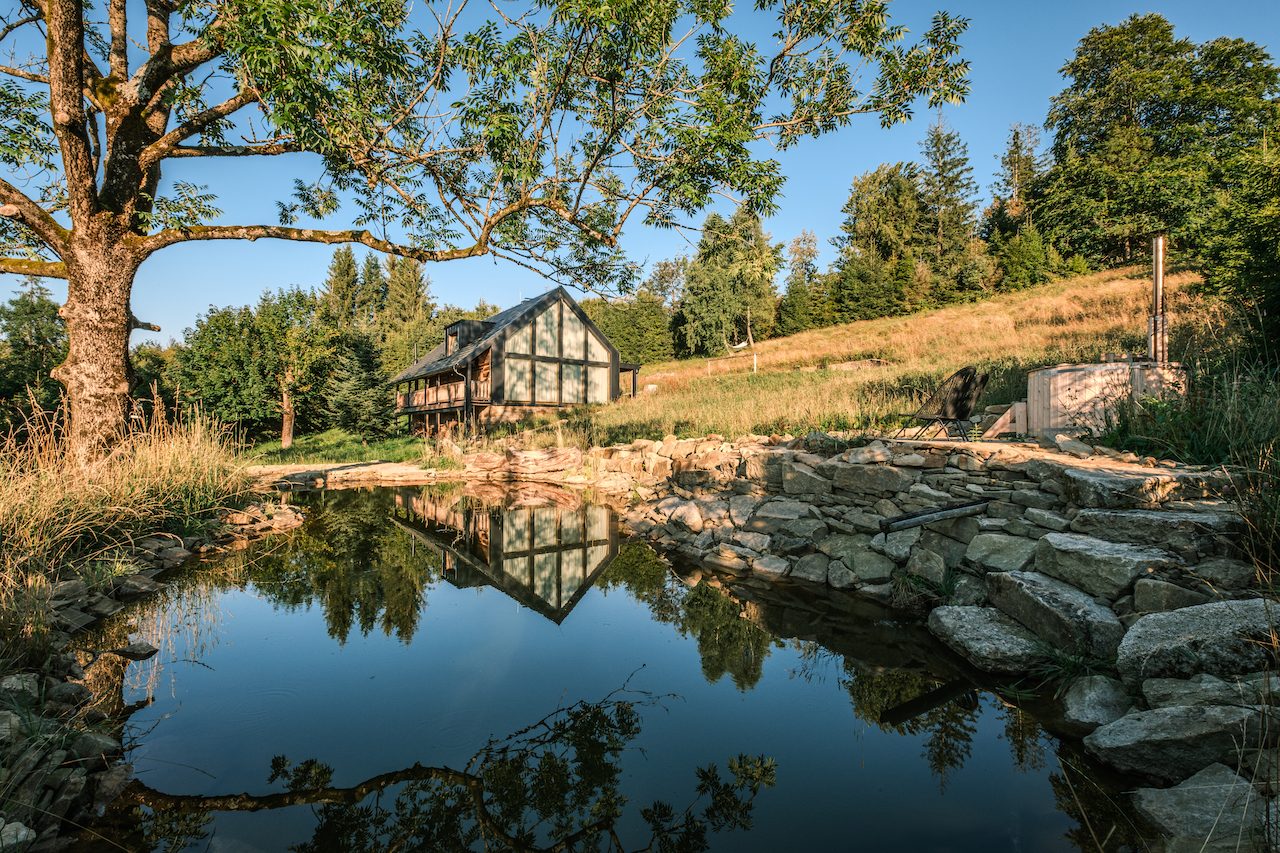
797, 389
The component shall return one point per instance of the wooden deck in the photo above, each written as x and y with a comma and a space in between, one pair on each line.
442, 397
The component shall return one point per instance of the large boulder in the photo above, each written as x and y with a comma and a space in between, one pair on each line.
812, 568
996, 552
1103, 489
1056, 612
686, 516
772, 516
1224, 573
803, 480
1097, 567
1152, 595
1221, 638
1143, 527
1205, 689
870, 567
1213, 811
986, 638
1173, 743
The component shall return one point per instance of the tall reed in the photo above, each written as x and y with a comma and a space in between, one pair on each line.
56, 512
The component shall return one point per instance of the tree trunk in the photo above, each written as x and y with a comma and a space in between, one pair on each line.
286, 429
96, 372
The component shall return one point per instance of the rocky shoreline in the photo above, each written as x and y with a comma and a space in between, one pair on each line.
61, 758
1050, 557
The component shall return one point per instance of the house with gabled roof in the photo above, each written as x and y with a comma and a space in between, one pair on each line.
544, 353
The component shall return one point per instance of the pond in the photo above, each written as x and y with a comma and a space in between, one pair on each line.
423, 668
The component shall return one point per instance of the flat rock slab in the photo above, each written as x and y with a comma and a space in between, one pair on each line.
1142, 527
1108, 489
1056, 612
987, 638
1151, 595
1222, 638
873, 479
1205, 689
1173, 744
1097, 567
1214, 810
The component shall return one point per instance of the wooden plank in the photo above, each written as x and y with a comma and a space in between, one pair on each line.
921, 517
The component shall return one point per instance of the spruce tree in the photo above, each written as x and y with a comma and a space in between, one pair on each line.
408, 293
795, 311
358, 396
338, 295
947, 191
371, 295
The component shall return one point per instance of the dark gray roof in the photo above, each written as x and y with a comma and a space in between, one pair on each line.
499, 324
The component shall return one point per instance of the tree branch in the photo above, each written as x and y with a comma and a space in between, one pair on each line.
67, 66
26, 266
158, 150
265, 150
19, 208
173, 236
24, 75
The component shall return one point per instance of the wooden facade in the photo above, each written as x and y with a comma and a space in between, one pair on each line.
543, 353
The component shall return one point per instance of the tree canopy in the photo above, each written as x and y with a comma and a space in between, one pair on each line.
537, 135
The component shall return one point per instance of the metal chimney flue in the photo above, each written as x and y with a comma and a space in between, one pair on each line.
1157, 325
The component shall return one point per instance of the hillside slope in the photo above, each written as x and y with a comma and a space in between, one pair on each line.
860, 375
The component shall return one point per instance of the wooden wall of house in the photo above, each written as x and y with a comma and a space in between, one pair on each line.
556, 359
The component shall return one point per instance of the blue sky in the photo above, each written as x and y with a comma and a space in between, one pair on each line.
1015, 48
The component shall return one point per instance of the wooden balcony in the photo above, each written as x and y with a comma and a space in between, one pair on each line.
440, 397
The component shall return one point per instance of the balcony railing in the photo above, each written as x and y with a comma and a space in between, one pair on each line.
448, 396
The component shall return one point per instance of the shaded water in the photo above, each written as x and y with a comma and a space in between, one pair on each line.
446, 670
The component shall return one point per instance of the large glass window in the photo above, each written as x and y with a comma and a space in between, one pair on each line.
518, 379
548, 385
571, 383
518, 341
596, 350
549, 332
597, 384
574, 335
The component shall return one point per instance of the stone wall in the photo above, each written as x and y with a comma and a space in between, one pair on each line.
1078, 552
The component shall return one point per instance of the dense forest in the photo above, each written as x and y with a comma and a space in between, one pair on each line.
1152, 135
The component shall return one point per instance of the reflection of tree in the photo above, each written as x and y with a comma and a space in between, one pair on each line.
726, 642
948, 728
551, 786
1102, 812
1023, 734
363, 571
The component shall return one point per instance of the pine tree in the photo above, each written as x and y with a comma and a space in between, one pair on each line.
33, 340
795, 311
358, 396
408, 293
947, 191
371, 295
338, 295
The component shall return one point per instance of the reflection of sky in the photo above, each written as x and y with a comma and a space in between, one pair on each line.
480, 665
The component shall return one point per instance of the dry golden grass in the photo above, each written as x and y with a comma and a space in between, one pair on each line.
54, 511
1074, 320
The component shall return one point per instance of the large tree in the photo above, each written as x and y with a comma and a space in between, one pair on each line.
536, 136
1141, 134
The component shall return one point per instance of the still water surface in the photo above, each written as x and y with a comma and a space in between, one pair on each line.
530, 660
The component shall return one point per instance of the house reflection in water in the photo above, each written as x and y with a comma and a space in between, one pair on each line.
542, 546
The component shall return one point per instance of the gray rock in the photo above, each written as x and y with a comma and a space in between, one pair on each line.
1145, 527
1056, 612
897, 545
928, 565
868, 455
871, 567
1095, 566
951, 550
1174, 743
755, 541
1213, 811
69, 693
1103, 489
960, 529
771, 566
1152, 596
1223, 573
16, 836
843, 546
1078, 449
803, 480
69, 590
862, 521
741, 507
1221, 638
996, 552
986, 638
1205, 689
109, 785
22, 690
94, 749
805, 528
1094, 700
969, 592
873, 479
1033, 499
886, 508
928, 495
713, 512
839, 576
687, 517
1045, 518
812, 568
